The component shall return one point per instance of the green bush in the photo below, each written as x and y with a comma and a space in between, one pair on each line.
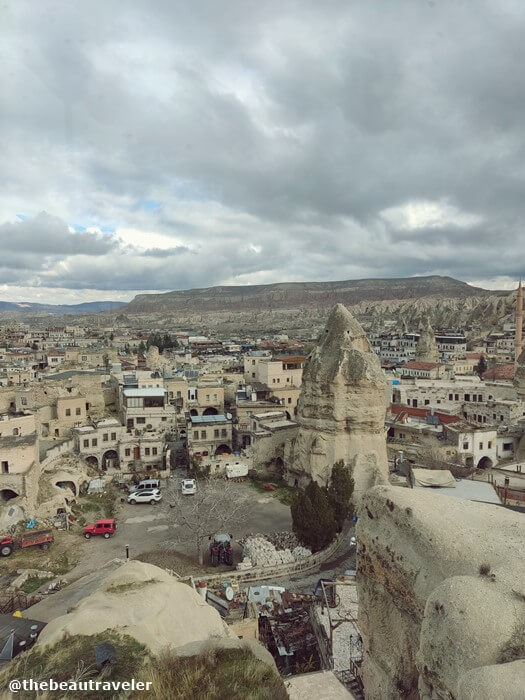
340, 494
313, 519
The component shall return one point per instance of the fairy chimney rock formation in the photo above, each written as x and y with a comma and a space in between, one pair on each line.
427, 349
441, 586
341, 410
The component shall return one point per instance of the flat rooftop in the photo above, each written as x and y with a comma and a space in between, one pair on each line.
149, 391
196, 420
479, 491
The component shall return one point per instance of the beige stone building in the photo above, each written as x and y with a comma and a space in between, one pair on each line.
209, 436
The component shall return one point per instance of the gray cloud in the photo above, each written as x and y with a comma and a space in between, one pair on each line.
245, 141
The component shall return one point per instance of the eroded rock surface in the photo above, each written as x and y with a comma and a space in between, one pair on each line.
441, 597
145, 602
341, 410
427, 349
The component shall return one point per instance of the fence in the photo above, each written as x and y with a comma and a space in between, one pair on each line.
510, 493
9, 602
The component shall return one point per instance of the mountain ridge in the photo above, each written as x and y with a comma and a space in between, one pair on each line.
300, 294
87, 307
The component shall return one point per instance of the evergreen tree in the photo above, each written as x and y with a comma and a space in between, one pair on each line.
340, 493
313, 517
481, 367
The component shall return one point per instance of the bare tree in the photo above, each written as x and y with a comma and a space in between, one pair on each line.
431, 457
216, 507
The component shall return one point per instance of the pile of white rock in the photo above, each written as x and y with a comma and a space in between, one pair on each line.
259, 551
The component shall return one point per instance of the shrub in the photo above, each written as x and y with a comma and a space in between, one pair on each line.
232, 674
313, 517
340, 494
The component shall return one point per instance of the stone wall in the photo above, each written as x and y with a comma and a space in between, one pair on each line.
273, 572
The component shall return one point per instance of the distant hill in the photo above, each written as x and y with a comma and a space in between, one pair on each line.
292, 295
90, 307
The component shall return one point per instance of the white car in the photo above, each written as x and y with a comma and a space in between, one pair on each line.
188, 487
152, 496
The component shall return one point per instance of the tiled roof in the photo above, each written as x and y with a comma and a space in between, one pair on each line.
444, 418
500, 372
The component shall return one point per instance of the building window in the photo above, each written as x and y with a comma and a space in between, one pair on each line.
5, 467
224, 432
15, 431
146, 451
507, 446
94, 442
154, 450
203, 435
77, 411
465, 445
163, 418
450, 397
467, 397
127, 452
456, 397
489, 445
68, 411
480, 445
86, 443
216, 433
289, 400
105, 437
23, 401
113, 436
195, 434
141, 420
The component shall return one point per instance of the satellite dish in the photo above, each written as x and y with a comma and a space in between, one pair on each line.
229, 416
229, 593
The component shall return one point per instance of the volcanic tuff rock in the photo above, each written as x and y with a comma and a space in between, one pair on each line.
341, 410
441, 597
302, 307
145, 602
427, 349
288, 295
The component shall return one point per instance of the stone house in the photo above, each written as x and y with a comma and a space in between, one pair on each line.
209, 436
423, 370
99, 443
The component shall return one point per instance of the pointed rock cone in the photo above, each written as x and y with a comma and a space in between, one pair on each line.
342, 406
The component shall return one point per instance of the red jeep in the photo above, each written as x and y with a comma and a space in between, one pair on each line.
106, 528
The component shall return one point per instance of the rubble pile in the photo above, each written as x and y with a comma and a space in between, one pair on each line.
271, 550
280, 540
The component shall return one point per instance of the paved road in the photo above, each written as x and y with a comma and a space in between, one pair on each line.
59, 603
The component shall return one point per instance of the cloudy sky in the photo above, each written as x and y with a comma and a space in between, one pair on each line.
173, 144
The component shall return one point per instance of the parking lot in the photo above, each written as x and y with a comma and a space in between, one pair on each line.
147, 528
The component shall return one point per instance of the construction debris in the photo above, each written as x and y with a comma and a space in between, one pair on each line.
271, 550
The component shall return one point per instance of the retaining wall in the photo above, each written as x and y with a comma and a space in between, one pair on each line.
271, 572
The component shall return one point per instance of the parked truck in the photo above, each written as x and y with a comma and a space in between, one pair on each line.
41, 538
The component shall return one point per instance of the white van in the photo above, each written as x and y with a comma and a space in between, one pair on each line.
146, 484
